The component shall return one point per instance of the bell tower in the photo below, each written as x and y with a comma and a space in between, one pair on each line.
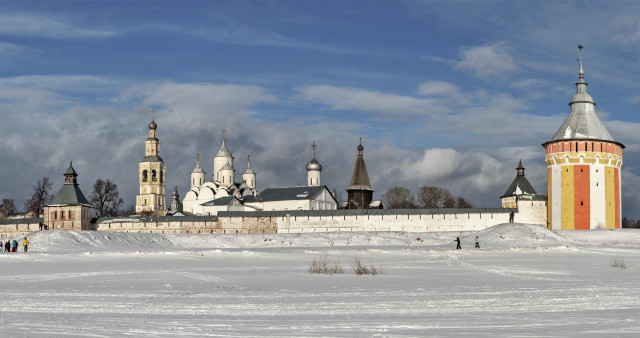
151, 173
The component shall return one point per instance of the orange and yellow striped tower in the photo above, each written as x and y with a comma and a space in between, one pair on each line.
583, 169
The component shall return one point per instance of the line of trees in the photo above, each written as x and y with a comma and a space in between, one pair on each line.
630, 223
428, 197
105, 197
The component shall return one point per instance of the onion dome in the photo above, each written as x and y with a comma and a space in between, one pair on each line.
198, 169
314, 165
249, 170
223, 152
153, 125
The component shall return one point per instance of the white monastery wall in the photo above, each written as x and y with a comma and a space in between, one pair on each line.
470, 221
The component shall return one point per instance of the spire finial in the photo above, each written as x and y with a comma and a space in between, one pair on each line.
248, 161
198, 159
314, 145
223, 135
581, 72
361, 140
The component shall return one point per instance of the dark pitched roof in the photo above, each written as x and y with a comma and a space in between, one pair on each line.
360, 177
248, 199
152, 159
521, 183
70, 194
220, 201
70, 170
293, 193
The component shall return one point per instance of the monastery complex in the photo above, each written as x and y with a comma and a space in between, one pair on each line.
583, 184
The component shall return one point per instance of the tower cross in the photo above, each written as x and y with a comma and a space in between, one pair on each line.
223, 136
314, 145
581, 73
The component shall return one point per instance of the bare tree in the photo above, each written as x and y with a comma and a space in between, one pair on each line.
106, 198
462, 203
128, 211
41, 197
7, 208
399, 198
435, 198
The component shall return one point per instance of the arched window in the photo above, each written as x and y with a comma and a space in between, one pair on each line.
154, 177
55, 215
144, 175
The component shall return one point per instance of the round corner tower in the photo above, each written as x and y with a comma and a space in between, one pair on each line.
583, 169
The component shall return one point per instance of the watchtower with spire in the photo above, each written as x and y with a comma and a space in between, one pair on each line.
151, 174
359, 193
583, 169
69, 209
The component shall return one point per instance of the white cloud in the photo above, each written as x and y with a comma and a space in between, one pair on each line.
384, 104
33, 25
486, 61
438, 88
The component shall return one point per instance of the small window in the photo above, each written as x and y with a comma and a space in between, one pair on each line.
154, 177
144, 175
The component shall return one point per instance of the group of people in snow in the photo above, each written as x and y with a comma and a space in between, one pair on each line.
12, 246
457, 240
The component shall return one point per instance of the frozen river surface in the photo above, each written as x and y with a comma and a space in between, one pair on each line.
524, 281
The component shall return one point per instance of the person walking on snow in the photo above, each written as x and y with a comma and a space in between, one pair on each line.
14, 246
458, 246
477, 243
25, 243
511, 217
7, 247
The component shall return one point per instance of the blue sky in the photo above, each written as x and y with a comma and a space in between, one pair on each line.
443, 93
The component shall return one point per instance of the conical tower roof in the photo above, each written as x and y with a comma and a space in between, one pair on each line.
582, 123
520, 185
360, 177
70, 193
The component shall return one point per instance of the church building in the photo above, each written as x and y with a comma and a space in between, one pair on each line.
199, 199
151, 174
583, 169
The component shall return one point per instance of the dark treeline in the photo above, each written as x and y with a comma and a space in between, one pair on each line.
428, 197
630, 223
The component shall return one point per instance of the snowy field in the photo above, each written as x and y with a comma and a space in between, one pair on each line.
524, 281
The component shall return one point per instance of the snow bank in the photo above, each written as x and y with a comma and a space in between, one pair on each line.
503, 236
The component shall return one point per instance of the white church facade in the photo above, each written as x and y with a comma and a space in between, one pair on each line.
224, 193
